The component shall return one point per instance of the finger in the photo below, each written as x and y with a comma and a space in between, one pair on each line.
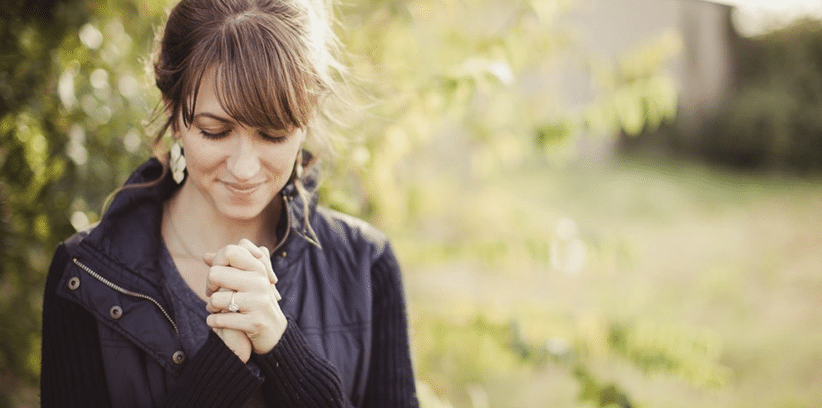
277, 295
208, 258
253, 249
218, 258
263, 255
237, 341
219, 301
267, 262
241, 258
231, 278
215, 302
246, 301
210, 290
252, 325
234, 321
263, 332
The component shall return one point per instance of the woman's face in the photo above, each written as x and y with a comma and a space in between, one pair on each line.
236, 169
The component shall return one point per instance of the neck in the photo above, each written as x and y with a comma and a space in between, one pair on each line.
191, 227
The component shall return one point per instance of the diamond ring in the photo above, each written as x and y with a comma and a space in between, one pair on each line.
233, 307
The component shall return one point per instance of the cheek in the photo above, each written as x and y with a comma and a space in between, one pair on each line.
202, 157
284, 157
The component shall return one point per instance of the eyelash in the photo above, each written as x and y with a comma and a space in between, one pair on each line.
218, 136
213, 136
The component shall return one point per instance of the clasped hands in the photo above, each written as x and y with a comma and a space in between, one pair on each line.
244, 272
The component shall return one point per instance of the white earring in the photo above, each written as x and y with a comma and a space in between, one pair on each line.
177, 162
298, 165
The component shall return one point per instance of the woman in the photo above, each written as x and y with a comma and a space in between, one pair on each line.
214, 279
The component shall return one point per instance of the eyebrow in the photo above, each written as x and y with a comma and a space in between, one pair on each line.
212, 116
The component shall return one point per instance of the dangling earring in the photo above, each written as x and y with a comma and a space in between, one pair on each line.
177, 162
298, 165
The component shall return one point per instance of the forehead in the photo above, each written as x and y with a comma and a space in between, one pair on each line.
207, 98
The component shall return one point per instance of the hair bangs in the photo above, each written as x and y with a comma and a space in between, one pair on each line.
270, 61
261, 81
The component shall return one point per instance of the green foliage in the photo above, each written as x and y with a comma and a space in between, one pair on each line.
30, 166
468, 352
453, 91
671, 349
639, 93
455, 354
73, 101
593, 391
773, 120
441, 81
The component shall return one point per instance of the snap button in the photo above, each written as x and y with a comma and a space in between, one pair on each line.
74, 283
179, 357
284, 254
116, 312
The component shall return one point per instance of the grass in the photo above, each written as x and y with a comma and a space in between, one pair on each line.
714, 275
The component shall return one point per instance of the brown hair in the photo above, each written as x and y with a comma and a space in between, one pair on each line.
273, 61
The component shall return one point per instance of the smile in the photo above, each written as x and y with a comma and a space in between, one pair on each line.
242, 188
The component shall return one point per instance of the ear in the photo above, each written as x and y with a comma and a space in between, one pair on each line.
175, 124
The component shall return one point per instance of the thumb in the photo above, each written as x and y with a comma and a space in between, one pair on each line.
208, 258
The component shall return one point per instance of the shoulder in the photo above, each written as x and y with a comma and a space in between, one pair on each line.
65, 251
336, 229
69, 246
74, 241
351, 240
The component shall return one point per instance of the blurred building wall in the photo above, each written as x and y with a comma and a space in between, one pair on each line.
707, 76
703, 70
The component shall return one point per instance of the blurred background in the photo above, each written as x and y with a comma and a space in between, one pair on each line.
597, 203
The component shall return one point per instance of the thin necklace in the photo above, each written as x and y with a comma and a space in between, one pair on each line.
177, 238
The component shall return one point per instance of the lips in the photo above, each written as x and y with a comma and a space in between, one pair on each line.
243, 189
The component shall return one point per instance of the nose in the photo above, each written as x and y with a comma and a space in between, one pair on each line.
243, 163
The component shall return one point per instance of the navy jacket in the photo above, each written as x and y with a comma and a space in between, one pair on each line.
110, 338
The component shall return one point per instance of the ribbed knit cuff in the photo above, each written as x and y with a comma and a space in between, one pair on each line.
297, 377
215, 377
391, 377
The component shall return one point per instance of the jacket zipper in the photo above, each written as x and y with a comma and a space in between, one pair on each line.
110, 284
125, 291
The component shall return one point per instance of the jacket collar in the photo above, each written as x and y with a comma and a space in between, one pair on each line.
130, 230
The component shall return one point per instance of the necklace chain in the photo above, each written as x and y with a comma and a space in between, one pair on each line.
177, 238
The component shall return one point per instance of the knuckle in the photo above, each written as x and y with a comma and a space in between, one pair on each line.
257, 324
262, 281
213, 277
232, 250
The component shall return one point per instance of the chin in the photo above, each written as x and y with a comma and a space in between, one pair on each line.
242, 213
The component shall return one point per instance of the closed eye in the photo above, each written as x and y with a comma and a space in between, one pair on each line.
214, 136
274, 139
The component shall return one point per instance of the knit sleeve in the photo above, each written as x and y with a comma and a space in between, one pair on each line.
215, 377
391, 376
72, 373
297, 377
